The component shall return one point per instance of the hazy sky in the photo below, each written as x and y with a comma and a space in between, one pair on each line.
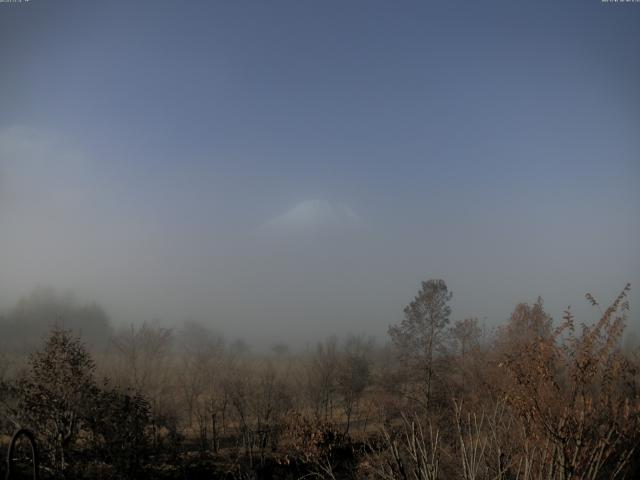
289, 169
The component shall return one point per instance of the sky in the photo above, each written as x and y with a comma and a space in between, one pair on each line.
287, 170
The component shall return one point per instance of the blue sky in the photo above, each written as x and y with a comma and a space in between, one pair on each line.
302, 165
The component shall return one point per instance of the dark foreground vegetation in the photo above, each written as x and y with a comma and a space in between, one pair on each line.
532, 400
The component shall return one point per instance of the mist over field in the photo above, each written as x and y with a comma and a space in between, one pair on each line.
286, 239
291, 171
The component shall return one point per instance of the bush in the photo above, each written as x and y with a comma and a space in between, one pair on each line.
119, 425
55, 396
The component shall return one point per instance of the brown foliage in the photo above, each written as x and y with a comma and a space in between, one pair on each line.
571, 391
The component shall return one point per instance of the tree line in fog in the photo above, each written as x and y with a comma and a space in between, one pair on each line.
443, 398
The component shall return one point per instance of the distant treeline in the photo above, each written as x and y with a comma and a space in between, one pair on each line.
27, 324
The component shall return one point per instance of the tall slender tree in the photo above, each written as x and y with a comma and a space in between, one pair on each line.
421, 333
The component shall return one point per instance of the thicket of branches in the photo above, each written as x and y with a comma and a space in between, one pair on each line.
531, 400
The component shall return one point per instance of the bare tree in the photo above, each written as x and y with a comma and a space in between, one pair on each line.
322, 378
203, 361
144, 355
270, 403
466, 334
355, 374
